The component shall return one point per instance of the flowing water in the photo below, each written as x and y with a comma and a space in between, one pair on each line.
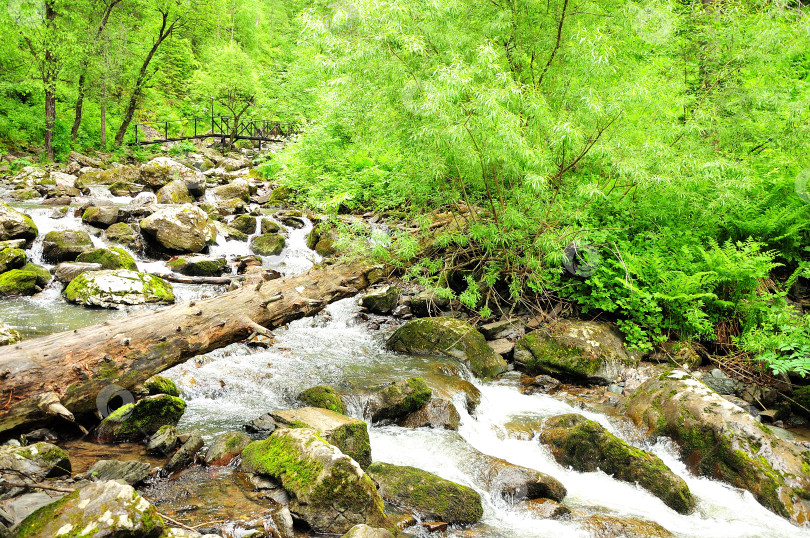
230, 386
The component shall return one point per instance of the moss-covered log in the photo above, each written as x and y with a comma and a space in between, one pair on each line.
62, 374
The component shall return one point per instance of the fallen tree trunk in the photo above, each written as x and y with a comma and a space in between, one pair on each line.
62, 374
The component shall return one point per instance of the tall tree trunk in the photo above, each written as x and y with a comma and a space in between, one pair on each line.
165, 30
74, 131
62, 374
49, 72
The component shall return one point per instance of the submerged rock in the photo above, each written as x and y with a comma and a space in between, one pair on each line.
183, 228
381, 301
601, 526
720, 440
452, 337
324, 397
16, 225
186, 454
399, 399
425, 495
108, 509
329, 490
225, 447
163, 441
111, 289
109, 258
65, 246
267, 244
350, 435
584, 350
586, 446
134, 422
546, 508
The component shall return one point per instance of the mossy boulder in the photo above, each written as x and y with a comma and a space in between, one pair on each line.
8, 335
381, 301
109, 258
121, 287
66, 245
36, 461
397, 400
225, 447
197, 265
184, 228
588, 351
238, 189
436, 413
245, 224
587, 446
163, 170
157, 384
428, 303
125, 188
449, 336
12, 258
135, 422
513, 482
350, 435
123, 234
322, 239
324, 397
279, 194
121, 174
16, 225
174, 192
364, 531
101, 216
163, 441
425, 495
43, 275
108, 509
268, 244
328, 489
677, 353
269, 226
720, 440
18, 282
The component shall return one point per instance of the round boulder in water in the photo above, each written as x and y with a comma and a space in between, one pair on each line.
65, 245
109, 258
16, 225
267, 244
122, 287
180, 228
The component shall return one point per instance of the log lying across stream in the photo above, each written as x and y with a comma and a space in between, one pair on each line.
62, 374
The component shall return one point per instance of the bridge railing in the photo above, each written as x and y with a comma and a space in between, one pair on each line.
212, 127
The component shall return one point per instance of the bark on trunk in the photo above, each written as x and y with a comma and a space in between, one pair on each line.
62, 374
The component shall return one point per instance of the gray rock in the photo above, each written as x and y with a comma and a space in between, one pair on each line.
162, 170
364, 531
163, 441
35, 462
109, 509
186, 454
16, 225
174, 192
101, 216
131, 472
261, 427
381, 301
13, 511
237, 189
428, 303
65, 272
66, 245
437, 413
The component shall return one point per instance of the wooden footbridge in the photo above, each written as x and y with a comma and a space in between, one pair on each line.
222, 127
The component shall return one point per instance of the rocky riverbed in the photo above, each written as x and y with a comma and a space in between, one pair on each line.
386, 413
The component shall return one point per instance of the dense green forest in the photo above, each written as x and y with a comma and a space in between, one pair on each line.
646, 161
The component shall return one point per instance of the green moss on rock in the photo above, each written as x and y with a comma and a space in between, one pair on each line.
12, 258
324, 397
245, 224
450, 336
157, 384
109, 258
586, 446
400, 399
426, 495
268, 244
134, 422
43, 275
19, 282
109, 289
